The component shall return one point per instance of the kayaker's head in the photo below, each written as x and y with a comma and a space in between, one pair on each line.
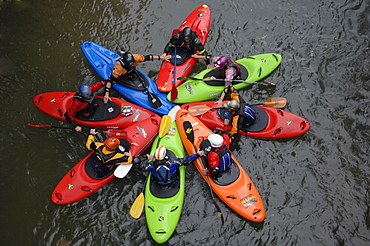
233, 105
128, 59
216, 140
187, 34
120, 50
221, 62
84, 90
111, 143
249, 114
160, 153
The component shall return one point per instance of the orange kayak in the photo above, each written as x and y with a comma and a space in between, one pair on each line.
234, 187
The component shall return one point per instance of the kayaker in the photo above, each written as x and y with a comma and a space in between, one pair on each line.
124, 67
228, 69
219, 156
163, 167
242, 113
83, 103
108, 153
188, 41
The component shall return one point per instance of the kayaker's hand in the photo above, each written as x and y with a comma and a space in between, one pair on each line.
127, 153
92, 131
205, 171
78, 129
106, 99
150, 157
165, 57
201, 152
209, 66
219, 103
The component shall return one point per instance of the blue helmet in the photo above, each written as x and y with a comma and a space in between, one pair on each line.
84, 90
250, 115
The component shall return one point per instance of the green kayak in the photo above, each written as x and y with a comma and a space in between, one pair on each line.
253, 68
163, 204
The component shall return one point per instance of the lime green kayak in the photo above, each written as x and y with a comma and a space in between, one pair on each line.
163, 204
253, 68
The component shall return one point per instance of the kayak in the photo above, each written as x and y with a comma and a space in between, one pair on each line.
140, 90
270, 123
252, 68
199, 21
117, 113
83, 180
233, 186
163, 204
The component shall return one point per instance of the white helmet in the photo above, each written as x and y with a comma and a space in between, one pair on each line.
160, 153
216, 140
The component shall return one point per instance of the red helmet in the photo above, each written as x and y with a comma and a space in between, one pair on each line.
221, 62
111, 143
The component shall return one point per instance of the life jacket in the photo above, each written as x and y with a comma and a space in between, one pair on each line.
225, 158
164, 174
231, 63
102, 161
91, 104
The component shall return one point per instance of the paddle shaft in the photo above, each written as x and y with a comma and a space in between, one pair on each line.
234, 80
153, 99
190, 136
174, 91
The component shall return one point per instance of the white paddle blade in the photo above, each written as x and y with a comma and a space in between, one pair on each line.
122, 170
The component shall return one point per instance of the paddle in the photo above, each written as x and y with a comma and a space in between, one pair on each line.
154, 101
122, 170
174, 91
235, 80
274, 102
138, 205
119, 133
190, 136
165, 125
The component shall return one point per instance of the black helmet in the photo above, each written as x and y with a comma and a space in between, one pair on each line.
128, 59
188, 33
120, 50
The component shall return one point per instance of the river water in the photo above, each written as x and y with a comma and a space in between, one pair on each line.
315, 187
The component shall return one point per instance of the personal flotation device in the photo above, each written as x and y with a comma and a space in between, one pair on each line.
225, 158
164, 174
91, 104
102, 161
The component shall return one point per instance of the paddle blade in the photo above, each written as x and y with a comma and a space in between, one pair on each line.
154, 101
137, 207
276, 102
122, 170
198, 110
165, 125
174, 93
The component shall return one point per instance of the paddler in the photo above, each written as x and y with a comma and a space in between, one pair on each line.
124, 67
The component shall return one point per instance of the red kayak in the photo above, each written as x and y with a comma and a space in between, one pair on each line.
115, 114
271, 123
82, 180
199, 21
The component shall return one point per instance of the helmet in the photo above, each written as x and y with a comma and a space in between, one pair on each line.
188, 33
249, 114
111, 143
120, 50
84, 90
160, 153
234, 105
128, 58
216, 140
221, 62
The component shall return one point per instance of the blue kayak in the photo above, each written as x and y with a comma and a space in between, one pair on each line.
139, 89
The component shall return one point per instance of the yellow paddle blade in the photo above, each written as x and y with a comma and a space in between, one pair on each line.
137, 206
165, 125
276, 102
